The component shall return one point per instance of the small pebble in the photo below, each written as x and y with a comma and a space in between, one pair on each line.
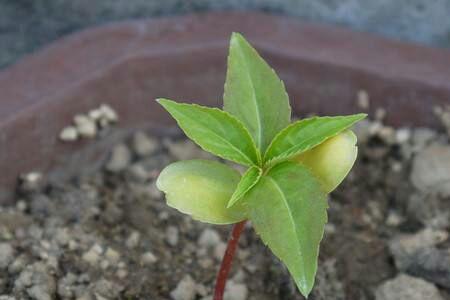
404, 287
95, 114
431, 170
21, 205
133, 240
185, 290
235, 291
143, 145
148, 258
219, 250
185, 149
209, 238
93, 255
85, 126
120, 158
403, 135
362, 99
387, 134
6, 255
394, 219
380, 114
122, 273
32, 181
138, 172
69, 134
404, 246
109, 113
112, 255
172, 235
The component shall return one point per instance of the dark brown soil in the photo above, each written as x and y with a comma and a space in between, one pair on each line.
109, 235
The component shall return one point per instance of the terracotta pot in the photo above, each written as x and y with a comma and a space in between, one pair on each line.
129, 64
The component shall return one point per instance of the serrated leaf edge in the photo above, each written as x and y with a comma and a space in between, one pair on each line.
289, 153
250, 162
237, 35
237, 196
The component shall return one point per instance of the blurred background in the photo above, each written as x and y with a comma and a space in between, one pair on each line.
26, 25
82, 142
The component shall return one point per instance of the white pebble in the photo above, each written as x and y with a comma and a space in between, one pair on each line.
362, 98
69, 134
144, 145
86, 126
185, 290
21, 205
148, 258
393, 219
93, 255
235, 291
32, 177
133, 240
120, 158
172, 235
209, 238
95, 114
109, 113
112, 255
403, 135
219, 250
122, 273
380, 114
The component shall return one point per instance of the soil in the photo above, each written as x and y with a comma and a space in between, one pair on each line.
109, 235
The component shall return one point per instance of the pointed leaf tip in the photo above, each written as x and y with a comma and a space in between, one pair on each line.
254, 93
215, 131
306, 134
287, 208
247, 182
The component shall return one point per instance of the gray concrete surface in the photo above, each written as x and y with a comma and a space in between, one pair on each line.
26, 25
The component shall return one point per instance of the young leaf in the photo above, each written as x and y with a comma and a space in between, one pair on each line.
331, 161
248, 180
288, 210
202, 188
306, 134
254, 93
215, 131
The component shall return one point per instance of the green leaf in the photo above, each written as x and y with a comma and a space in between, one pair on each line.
215, 131
248, 180
332, 160
288, 210
254, 93
306, 134
202, 188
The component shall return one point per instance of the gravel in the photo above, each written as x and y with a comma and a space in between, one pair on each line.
69, 134
235, 291
404, 247
209, 238
431, 264
172, 235
85, 126
143, 145
120, 159
6, 255
185, 290
110, 235
405, 287
431, 170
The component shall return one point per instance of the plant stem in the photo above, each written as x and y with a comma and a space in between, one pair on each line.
227, 260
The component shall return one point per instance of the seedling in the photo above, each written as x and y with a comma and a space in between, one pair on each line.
291, 167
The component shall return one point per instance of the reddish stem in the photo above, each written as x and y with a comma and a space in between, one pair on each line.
227, 260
